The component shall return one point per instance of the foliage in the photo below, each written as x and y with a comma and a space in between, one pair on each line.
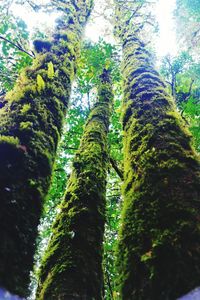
192, 7
182, 74
93, 58
191, 111
174, 65
12, 59
187, 15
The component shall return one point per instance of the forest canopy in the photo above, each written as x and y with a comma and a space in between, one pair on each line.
99, 149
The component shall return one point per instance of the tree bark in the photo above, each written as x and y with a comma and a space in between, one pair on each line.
158, 254
30, 127
72, 266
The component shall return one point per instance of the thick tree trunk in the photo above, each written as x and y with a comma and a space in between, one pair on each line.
30, 127
72, 266
158, 254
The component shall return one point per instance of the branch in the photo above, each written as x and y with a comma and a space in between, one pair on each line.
109, 285
34, 6
168, 82
187, 95
195, 33
116, 168
134, 12
19, 47
190, 88
186, 121
88, 101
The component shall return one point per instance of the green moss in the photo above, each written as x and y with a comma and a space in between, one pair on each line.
158, 253
30, 128
9, 140
16, 93
72, 265
26, 125
26, 108
40, 83
50, 71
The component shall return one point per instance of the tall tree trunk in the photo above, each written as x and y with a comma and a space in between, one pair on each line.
72, 266
30, 127
158, 254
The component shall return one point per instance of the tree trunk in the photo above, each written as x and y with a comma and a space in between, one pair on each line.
72, 266
158, 254
30, 127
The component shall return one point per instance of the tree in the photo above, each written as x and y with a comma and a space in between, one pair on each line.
158, 249
14, 48
171, 68
182, 75
30, 128
191, 111
187, 15
72, 266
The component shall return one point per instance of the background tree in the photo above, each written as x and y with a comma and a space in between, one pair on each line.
187, 15
172, 68
14, 48
182, 74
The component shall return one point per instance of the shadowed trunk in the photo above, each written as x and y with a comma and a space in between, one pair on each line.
72, 266
30, 127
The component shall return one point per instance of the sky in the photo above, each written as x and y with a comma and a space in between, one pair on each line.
165, 42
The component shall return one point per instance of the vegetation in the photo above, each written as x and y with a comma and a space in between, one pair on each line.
64, 160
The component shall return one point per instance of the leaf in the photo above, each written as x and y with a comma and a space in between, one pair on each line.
40, 83
50, 72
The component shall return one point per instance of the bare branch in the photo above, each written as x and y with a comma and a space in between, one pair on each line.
116, 168
18, 46
109, 284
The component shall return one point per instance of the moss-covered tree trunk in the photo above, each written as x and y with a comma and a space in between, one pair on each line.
158, 254
30, 127
72, 266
